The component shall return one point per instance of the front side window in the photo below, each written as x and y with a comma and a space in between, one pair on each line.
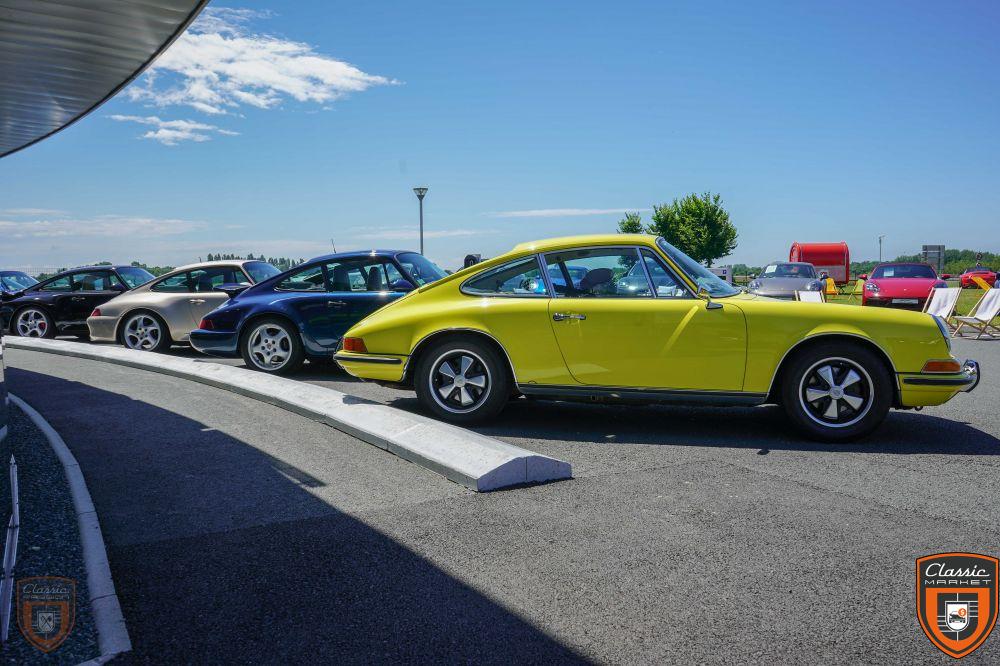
311, 278
518, 278
359, 274
93, 281
207, 279
701, 276
597, 273
64, 283
175, 284
135, 277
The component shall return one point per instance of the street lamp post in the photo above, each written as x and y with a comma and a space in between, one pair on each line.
421, 192
879, 248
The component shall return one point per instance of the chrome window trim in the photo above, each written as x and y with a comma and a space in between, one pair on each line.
548, 286
595, 247
669, 271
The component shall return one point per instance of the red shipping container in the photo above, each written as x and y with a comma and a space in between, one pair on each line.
834, 258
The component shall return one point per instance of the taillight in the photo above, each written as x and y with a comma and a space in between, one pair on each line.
96, 312
355, 345
950, 365
207, 325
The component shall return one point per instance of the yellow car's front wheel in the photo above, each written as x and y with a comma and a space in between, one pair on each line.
836, 392
462, 380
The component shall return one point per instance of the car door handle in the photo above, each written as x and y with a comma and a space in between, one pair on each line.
563, 316
196, 301
336, 304
79, 298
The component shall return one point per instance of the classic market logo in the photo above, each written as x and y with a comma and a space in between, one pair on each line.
957, 600
46, 610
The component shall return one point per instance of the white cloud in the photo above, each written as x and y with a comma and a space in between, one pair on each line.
564, 212
172, 132
413, 234
28, 212
220, 65
104, 226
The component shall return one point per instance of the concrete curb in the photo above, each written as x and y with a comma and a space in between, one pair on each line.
475, 461
112, 635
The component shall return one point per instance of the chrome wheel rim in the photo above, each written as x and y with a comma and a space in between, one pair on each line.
32, 324
460, 381
270, 347
142, 332
836, 392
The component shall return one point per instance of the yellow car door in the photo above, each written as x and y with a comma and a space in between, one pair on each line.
622, 318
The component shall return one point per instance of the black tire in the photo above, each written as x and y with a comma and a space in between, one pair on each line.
163, 340
853, 406
34, 332
269, 338
485, 363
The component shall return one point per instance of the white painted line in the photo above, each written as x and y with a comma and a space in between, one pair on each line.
473, 460
112, 636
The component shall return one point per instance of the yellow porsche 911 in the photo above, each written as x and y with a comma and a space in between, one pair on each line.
631, 318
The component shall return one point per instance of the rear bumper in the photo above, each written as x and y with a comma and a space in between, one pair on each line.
922, 390
102, 329
215, 343
376, 367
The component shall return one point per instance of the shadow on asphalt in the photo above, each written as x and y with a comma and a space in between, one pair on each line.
220, 554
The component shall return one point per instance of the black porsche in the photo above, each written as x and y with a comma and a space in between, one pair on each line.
61, 304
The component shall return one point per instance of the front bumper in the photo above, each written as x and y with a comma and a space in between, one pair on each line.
103, 329
215, 343
887, 302
923, 390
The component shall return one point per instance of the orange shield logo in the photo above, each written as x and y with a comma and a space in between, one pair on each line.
957, 600
46, 610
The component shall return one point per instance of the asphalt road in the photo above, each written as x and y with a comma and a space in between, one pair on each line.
238, 531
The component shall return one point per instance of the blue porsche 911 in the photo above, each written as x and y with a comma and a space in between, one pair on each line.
302, 314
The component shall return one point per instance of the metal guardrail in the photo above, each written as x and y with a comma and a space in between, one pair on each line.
10, 553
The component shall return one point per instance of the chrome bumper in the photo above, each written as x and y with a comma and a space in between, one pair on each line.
971, 369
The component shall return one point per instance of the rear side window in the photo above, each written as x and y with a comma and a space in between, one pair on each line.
518, 278
307, 279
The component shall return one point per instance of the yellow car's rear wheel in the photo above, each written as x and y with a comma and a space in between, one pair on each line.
462, 380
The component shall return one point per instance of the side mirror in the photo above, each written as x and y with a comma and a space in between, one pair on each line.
704, 293
753, 276
232, 289
402, 285
120, 288
863, 276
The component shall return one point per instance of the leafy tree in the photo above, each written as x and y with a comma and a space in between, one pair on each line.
697, 225
631, 224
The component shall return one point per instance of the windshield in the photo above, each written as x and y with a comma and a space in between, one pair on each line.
16, 281
134, 276
904, 271
260, 271
420, 268
789, 271
704, 278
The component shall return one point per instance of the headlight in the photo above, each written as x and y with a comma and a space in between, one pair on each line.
753, 286
872, 287
814, 286
944, 330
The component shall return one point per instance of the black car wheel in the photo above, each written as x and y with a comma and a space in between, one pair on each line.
462, 380
273, 346
837, 392
145, 331
33, 323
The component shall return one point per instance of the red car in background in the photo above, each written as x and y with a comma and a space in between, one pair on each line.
986, 274
900, 285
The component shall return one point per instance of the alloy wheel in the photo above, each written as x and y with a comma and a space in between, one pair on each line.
836, 392
270, 347
32, 324
142, 332
460, 381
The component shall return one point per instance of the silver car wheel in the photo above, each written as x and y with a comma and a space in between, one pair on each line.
142, 332
460, 381
270, 347
32, 324
836, 392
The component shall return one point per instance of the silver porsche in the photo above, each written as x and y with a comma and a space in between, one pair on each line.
166, 310
782, 279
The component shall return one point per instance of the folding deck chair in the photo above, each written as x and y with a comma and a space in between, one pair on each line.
981, 317
858, 291
942, 302
810, 296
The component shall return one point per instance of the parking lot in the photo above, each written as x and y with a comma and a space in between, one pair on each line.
687, 534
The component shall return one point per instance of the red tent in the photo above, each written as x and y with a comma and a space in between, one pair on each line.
834, 258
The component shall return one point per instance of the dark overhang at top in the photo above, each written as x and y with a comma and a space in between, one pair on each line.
61, 59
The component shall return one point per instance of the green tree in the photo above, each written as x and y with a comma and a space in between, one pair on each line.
631, 224
697, 225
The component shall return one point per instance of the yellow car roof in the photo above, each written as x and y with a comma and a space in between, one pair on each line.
548, 244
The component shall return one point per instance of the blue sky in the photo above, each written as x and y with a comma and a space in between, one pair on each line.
292, 124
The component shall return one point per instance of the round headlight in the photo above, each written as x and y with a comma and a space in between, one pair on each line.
753, 286
872, 287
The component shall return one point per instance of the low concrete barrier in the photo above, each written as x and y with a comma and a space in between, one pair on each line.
473, 460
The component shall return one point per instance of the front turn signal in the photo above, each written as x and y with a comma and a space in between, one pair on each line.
948, 366
355, 345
